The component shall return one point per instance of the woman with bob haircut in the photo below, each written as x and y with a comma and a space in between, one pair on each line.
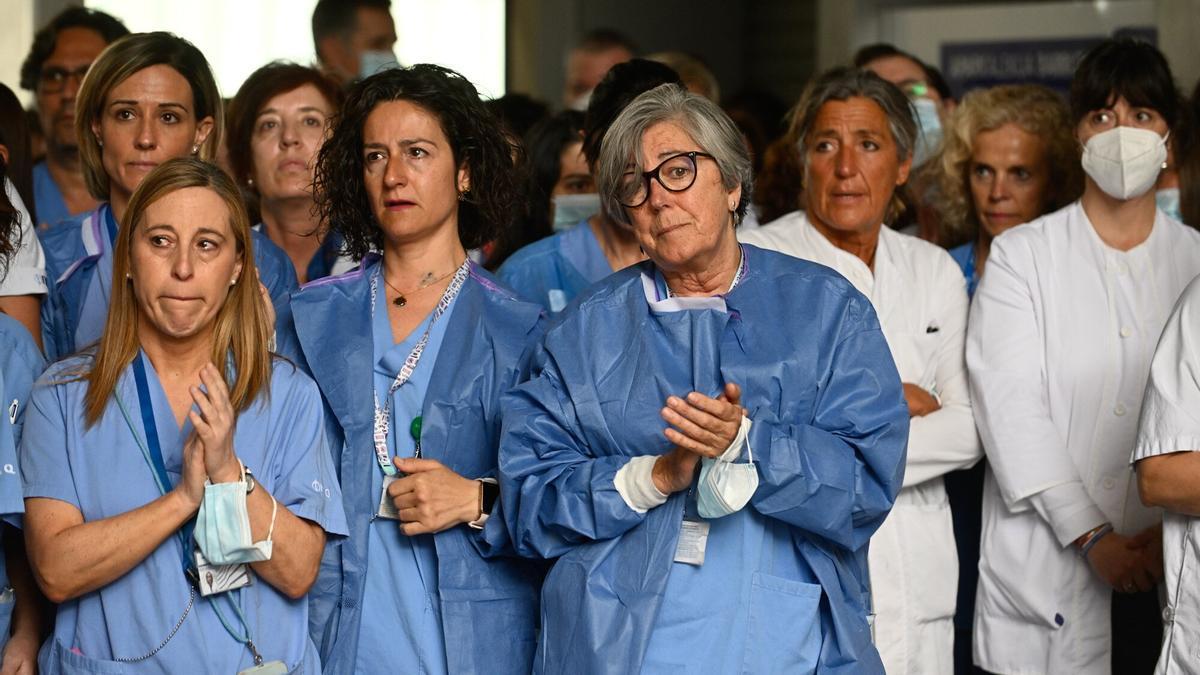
417, 168
765, 375
277, 123
177, 445
147, 98
1009, 155
1061, 334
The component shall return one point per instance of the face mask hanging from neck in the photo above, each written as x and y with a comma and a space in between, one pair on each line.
1125, 161
1168, 202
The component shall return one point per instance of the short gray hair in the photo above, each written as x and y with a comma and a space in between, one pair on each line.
842, 84
700, 118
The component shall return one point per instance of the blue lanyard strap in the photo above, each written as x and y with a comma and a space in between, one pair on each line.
110, 222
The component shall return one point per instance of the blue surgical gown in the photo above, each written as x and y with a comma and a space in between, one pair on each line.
487, 601
79, 272
47, 197
20, 364
101, 471
784, 586
965, 257
552, 271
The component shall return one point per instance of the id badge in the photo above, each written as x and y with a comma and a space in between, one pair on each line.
266, 668
214, 579
693, 539
387, 508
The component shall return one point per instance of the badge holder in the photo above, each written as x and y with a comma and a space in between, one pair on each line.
213, 579
693, 535
387, 508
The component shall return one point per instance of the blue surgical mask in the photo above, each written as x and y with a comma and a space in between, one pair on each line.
569, 210
372, 62
223, 527
726, 486
1168, 202
929, 131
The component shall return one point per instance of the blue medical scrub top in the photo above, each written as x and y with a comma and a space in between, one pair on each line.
401, 628
965, 257
102, 472
552, 271
20, 364
47, 198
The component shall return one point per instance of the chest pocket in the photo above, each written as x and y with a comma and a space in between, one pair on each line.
915, 353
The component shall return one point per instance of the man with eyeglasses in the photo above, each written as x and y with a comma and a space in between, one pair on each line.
60, 56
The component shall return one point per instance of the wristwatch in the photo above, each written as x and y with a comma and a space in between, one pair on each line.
489, 492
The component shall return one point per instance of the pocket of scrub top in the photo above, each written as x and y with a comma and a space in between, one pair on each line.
67, 662
784, 632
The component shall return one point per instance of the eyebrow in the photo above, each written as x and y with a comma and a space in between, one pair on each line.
171, 228
860, 133
671, 153
274, 111
130, 101
402, 143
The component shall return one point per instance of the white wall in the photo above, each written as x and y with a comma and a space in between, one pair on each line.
16, 34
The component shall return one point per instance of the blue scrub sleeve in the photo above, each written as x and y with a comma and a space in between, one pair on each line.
837, 476
45, 467
556, 494
304, 479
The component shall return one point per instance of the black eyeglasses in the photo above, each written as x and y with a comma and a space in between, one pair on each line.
53, 79
676, 174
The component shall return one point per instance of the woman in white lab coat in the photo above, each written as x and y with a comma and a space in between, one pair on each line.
1061, 333
855, 132
1168, 470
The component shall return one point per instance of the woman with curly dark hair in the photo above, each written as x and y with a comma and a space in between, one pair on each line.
415, 172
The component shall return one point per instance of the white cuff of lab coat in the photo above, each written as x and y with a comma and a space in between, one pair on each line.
1152, 446
635, 484
1069, 510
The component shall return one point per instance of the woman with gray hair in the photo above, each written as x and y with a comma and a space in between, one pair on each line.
855, 134
706, 467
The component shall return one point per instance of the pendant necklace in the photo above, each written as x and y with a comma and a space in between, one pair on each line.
400, 300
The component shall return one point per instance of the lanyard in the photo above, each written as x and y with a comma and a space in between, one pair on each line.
383, 414
110, 222
152, 453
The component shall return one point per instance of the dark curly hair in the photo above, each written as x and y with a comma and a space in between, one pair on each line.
476, 140
45, 40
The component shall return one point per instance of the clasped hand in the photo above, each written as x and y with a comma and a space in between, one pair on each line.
1129, 564
208, 453
701, 427
431, 497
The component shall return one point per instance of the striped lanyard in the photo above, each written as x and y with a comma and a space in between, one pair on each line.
383, 414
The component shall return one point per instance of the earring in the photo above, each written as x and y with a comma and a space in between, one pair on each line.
250, 182
195, 149
233, 281
128, 275
99, 142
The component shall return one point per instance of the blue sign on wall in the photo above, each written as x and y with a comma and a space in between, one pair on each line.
971, 65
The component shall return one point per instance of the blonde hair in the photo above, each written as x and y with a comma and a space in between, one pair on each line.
241, 329
117, 63
1033, 108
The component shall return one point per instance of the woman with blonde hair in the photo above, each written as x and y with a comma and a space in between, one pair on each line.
1009, 155
147, 98
168, 467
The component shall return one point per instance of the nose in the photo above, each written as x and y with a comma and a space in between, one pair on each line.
395, 172
846, 162
288, 135
998, 190
182, 266
147, 134
71, 86
658, 196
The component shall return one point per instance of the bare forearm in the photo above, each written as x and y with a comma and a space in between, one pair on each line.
297, 547
1171, 481
70, 561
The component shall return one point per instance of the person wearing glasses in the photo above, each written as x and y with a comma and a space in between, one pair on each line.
61, 54
552, 271
149, 97
855, 133
709, 438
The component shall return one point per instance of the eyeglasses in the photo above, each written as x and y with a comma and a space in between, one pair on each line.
676, 174
54, 79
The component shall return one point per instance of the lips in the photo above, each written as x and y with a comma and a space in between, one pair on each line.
293, 165
397, 204
144, 166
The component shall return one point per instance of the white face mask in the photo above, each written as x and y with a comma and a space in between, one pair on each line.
372, 62
571, 209
726, 486
929, 131
1168, 202
1125, 161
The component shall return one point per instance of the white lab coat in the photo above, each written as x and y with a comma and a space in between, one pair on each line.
1170, 423
1061, 334
920, 296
